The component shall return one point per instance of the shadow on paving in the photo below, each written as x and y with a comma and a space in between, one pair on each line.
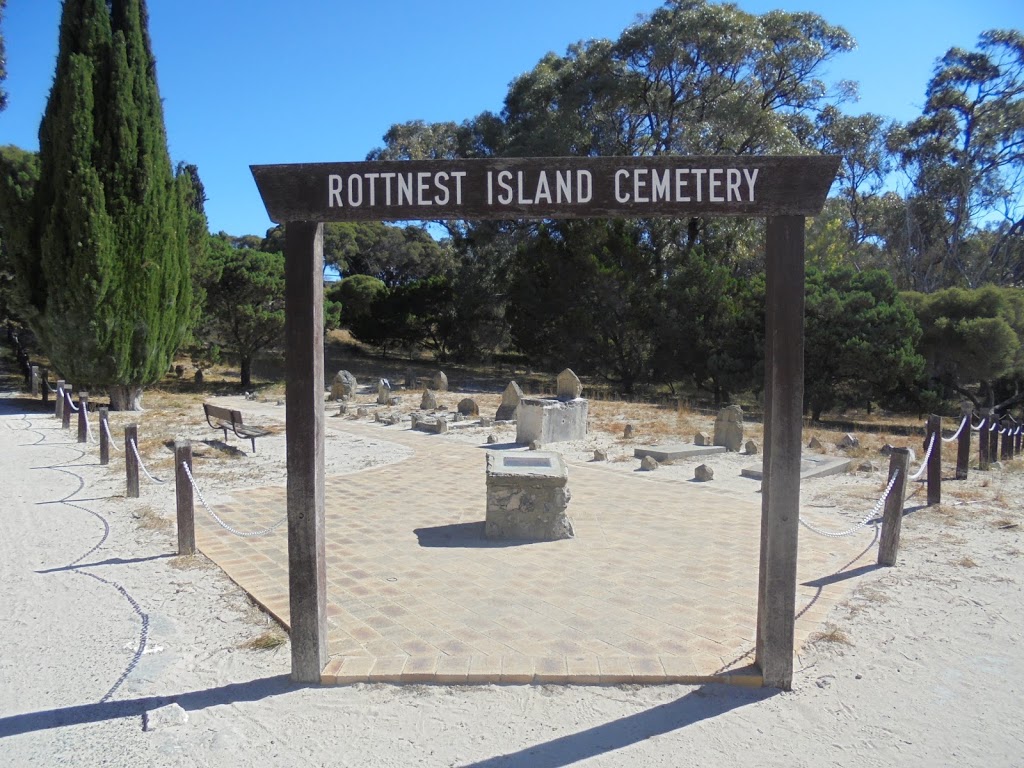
703, 703
463, 535
232, 693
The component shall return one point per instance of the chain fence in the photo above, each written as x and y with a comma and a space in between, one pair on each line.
135, 450
873, 513
221, 523
958, 431
110, 437
924, 462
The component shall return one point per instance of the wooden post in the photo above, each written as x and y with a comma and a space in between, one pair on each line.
131, 464
780, 502
934, 471
1017, 442
963, 446
58, 403
35, 380
892, 517
183, 496
304, 437
104, 429
983, 440
993, 438
45, 374
65, 422
83, 417
1006, 439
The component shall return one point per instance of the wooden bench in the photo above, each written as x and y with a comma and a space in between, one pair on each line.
226, 418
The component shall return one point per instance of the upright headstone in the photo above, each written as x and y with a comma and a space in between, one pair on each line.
383, 392
429, 401
439, 382
568, 386
343, 386
467, 407
729, 428
509, 402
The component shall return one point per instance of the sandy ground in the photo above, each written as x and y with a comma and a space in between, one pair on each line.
105, 632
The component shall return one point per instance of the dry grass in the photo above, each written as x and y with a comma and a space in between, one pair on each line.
196, 562
831, 634
966, 562
151, 520
273, 638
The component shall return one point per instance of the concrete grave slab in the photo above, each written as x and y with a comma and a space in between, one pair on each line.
677, 451
811, 465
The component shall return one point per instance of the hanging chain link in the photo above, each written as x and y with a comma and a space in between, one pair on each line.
110, 437
875, 510
924, 462
221, 523
958, 431
135, 450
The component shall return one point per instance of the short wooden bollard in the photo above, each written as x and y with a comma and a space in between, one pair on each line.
58, 403
34, 378
892, 517
963, 447
993, 439
131, 463
1006, 440
45, 375
104, 429
983, 440
83, 417
183, 495
1017, 442
935, 460
65, 421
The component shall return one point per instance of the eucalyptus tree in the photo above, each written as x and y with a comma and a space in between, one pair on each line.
964, 157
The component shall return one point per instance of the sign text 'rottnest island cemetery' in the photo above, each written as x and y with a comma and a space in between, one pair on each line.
510, 188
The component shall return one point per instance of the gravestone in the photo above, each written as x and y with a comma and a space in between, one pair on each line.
343, 386
702, 438
649, 464
729, 428
849, 440
439, 382
527, 496
383, 392
568, 386
467, 407
509, 402
703, 473
429, 401
550, 421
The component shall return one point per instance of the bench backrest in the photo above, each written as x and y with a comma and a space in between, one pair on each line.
224, 414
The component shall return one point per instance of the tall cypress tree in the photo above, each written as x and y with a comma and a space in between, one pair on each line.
112, 293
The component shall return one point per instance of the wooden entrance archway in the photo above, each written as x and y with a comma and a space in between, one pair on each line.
785, 190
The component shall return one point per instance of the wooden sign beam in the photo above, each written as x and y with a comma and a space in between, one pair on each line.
547, 188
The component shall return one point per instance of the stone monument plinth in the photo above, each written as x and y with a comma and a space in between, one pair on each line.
527, 495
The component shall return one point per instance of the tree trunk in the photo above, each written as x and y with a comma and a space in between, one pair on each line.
125, 397
246, 362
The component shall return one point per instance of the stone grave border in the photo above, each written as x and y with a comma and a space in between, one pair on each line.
783, 189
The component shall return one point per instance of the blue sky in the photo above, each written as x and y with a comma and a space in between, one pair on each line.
286, 81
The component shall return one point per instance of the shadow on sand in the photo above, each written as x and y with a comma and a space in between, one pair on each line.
254, 690
703, 703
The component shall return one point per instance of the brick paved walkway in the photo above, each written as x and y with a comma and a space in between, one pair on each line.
659, 585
